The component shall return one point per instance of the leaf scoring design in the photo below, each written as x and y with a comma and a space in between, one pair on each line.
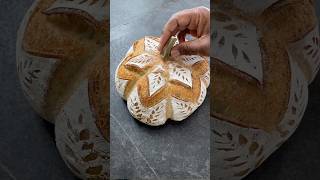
236, 44
181, 74
140, 61
306, 52
156, 80
151, 45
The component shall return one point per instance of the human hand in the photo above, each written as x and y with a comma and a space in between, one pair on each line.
196, 22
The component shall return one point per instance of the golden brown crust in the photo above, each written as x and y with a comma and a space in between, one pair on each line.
73, 89
138, 77
288, 20
69, 38
246, 104
53, 36
99, 95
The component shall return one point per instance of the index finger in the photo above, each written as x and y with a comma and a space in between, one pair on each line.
178, 22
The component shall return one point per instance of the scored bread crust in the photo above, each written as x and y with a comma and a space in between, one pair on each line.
67, 38
63, 69
243, 101
158, 89
252, 117
98, 96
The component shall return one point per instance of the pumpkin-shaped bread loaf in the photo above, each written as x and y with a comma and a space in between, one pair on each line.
158, 88
262, 66
62, 61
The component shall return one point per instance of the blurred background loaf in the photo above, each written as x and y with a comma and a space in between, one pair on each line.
259, 98
62, 61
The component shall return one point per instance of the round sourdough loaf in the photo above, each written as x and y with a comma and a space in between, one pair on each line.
63, 69
157, 89
262, 66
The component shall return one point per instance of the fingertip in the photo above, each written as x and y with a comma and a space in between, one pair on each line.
163, 40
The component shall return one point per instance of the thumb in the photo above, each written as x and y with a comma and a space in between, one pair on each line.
199, 46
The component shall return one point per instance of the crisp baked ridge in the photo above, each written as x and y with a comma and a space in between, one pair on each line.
160, 83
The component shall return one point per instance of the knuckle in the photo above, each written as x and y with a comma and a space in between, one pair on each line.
202, 10
187, 49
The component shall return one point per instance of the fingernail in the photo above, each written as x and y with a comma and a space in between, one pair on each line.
175, 53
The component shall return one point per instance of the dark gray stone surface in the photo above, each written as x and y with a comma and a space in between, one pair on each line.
27, 147
173, 151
